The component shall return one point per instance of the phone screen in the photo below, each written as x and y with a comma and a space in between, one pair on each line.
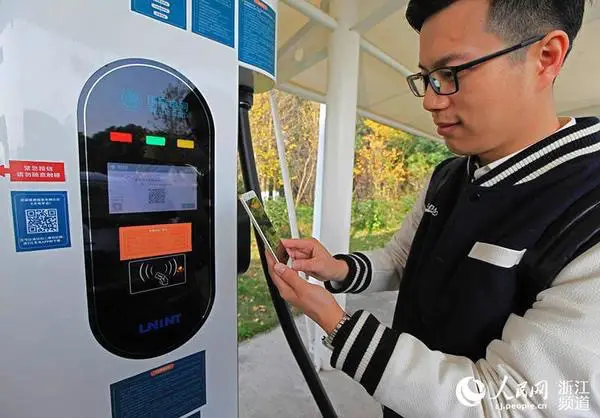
267, 228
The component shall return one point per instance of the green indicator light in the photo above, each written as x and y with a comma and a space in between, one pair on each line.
159, 141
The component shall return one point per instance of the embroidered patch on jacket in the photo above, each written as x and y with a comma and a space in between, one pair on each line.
431, 208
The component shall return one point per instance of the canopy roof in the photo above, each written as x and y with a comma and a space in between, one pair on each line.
389, 51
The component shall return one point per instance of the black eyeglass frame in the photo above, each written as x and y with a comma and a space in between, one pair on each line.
454, 70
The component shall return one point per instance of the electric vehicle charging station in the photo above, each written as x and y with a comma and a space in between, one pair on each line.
118, 207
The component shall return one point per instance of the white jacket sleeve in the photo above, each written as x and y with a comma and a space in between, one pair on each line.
382, 269
546, 364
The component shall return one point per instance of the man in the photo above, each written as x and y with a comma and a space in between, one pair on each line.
466, 340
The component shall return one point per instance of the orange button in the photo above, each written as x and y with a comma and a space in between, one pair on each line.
154, 240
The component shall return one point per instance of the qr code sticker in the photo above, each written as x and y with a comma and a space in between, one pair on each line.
41, 221
157, 196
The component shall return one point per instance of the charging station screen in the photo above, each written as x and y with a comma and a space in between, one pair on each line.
139, 188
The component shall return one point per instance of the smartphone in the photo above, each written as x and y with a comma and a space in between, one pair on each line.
263, 225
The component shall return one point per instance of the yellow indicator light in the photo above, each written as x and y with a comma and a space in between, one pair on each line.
185, 143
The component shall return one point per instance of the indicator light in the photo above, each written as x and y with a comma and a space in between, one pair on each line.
121, 137
185, 143
159, 141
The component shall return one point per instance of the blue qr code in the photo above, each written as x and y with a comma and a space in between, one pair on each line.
41, 221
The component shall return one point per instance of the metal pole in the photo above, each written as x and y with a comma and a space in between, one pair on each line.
289, 197
312, 330
287, 185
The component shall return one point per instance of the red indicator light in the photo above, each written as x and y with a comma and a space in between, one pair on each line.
121, 137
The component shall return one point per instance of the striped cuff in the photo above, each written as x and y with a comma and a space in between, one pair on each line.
362, 349
359, 274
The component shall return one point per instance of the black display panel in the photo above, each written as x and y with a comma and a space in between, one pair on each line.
146, 143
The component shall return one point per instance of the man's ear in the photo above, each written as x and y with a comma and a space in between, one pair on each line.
550, 56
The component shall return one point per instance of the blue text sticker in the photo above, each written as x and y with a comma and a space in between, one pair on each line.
169, 391
172, 12
214, 19
257, 23
41, 220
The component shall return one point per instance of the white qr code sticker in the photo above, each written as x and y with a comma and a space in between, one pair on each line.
41, 221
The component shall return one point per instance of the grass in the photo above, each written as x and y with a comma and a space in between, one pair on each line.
255, 309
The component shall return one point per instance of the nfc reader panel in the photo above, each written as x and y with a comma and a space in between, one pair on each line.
146, 143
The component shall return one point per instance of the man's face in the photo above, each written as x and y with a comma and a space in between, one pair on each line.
483, 115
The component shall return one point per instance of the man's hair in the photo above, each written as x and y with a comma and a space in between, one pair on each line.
513, 20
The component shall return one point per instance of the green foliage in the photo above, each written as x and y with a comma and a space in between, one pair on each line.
255, 309
366, 242
278, 214
277, 211
370, 216
422, 151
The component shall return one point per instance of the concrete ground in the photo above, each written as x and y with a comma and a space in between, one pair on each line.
271, 385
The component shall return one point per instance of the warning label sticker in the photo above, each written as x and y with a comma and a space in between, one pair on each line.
34, 171
170, 391
154, 240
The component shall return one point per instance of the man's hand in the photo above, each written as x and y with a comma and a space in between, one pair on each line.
313, 300
312, 258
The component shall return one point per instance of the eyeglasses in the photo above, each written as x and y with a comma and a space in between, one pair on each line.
444, 80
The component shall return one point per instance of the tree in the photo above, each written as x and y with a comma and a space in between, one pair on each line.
265, 148
300, 126
379, 169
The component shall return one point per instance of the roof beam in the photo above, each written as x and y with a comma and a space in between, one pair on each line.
382, 56
303, 50
388, 8
313, 12
297, 37
319, 98
287, 71
302, 53
319, 16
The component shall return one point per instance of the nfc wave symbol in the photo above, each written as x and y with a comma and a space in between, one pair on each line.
161, 9
156, 273
169, 269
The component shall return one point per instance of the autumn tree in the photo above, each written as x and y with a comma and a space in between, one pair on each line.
265, 148
300, 126
389, 163
379, 169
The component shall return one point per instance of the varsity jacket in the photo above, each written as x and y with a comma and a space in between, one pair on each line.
459, 346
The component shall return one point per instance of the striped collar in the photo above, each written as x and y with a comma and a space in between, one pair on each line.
564, 145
